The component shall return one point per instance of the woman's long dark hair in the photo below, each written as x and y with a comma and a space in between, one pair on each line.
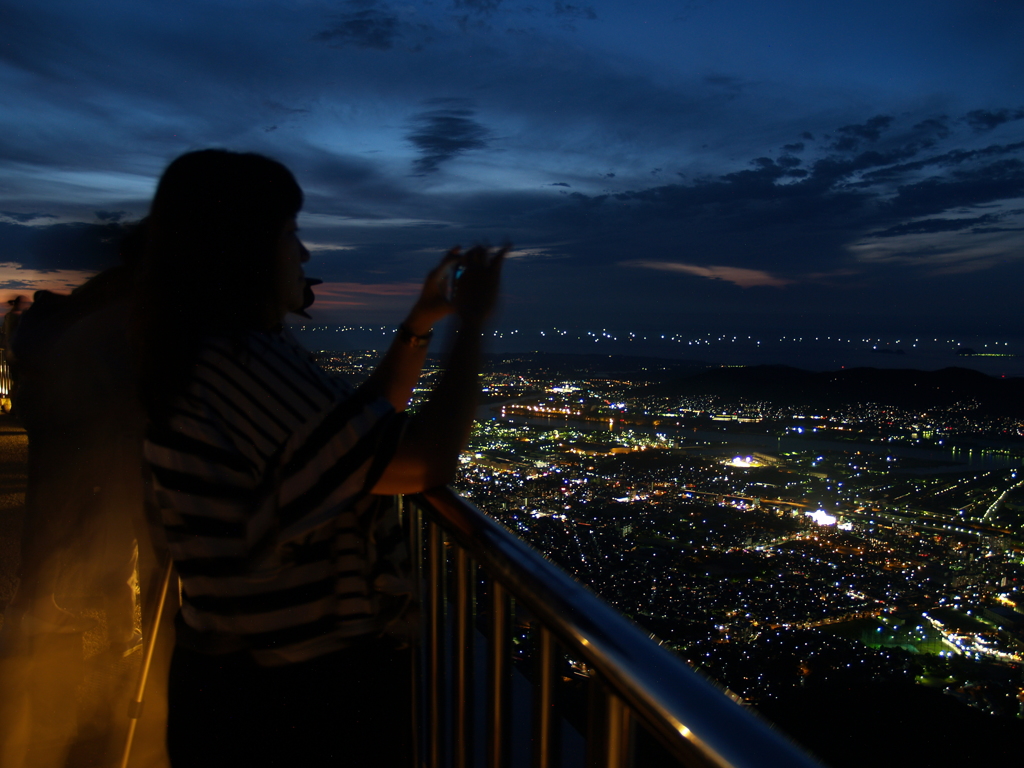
208, 266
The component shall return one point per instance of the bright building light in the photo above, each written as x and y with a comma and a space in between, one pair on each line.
821, 517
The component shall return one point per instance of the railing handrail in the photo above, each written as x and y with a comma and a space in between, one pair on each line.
702, 724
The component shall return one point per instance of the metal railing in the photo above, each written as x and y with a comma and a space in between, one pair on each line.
486, 593
5, 374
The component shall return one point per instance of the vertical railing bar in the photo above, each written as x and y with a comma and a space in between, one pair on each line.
608, 740
497, 676
619, 741
543, 700
595, 745
629, 725
435, 617
463, 659
473, 697
608, 728
414, 520
612, 722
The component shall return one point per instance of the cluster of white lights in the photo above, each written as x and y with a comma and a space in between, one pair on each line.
605, 334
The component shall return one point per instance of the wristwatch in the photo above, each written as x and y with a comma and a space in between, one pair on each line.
414, 340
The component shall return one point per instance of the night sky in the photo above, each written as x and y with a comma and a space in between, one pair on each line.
690, 166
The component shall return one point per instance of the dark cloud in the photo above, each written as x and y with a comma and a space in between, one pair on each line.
992, 230
996, 181
97, 104
111, 216
874, 213
832, 169
945, 160
729, 84
982, 120
766, 171
277, 107
73, 246
346, 185
938, 225
746, 219
485, 7
446, 132
568, 10
25, 217
363, 29
25, 38
934, 126
318, 169
851, 136
794, 223
690, 8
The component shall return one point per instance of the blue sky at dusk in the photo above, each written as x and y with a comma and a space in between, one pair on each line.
844, 167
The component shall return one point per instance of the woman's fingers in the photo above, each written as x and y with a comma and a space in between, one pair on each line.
478, 287
450, 258
463, 281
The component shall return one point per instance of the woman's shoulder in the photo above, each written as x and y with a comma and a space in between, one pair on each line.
245, 345
270, 362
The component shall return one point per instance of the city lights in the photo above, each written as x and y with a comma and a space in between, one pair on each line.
847, 533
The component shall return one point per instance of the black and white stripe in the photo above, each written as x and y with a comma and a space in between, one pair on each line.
259, 475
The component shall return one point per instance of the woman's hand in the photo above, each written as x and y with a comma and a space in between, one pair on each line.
472, 297
433, 302
428, 453
476, 291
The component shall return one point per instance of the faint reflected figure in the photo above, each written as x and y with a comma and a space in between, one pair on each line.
85, 535
76, 409
13, 316
264, 471
10, 325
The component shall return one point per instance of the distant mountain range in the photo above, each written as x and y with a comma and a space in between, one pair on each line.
904, 388
781, 384
628, 367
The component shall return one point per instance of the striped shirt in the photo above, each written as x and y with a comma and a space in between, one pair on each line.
261, 477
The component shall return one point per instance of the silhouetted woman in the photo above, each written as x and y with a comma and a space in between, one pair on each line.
261, 467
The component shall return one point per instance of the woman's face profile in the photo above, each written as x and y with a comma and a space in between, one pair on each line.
290, 279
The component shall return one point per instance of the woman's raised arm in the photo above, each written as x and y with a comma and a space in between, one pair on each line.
429, 451
399, 370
